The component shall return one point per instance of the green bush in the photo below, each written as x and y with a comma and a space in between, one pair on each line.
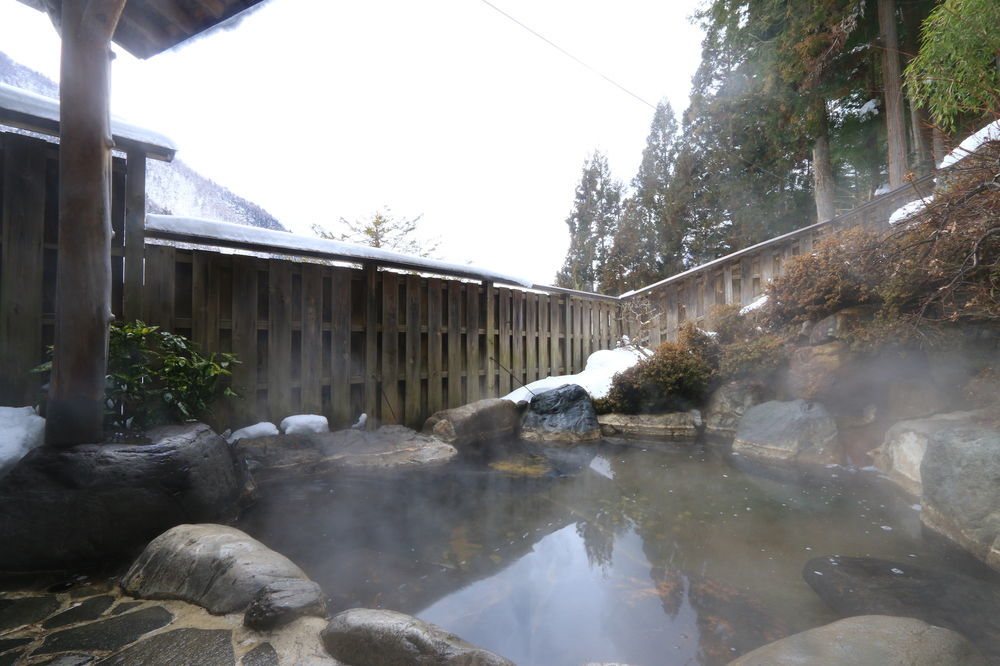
157, 377
673, 378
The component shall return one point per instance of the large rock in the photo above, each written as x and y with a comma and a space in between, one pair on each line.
562, 415
914, 398
902, 452
64, 508
729, 402
475, 423
672, 425
219, 568
869, 586
814, 372
389, 447
961, 489
282, 601
368, 637
788, 435
865, 641
838, 325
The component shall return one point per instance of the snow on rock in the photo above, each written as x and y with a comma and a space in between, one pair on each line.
209, 230
756, 305
21, 430
263, 429
972, 143
596, 376
305, 424
908, 210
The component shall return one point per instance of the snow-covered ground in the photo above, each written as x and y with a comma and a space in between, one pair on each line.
972, 143
21, 430
596, 376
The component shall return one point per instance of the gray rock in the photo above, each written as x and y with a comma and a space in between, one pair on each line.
10, 658
961, 489
916, 397
11, 643
788, 434
672, 425
181, 646
262, 655
865, 641
68, 660
109, 634
870, 586
388, 447
900, 455
90, 609
814, 372
216, 567
26, 610
64, 508
282, 601
728, 403
475, 423
368, 637
563, 415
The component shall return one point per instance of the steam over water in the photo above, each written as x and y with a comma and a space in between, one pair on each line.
645, 554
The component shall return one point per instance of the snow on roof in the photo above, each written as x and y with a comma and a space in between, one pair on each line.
213, 230
41, 114
972, 143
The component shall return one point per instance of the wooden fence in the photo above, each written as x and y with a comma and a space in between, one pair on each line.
742, 276
311, 336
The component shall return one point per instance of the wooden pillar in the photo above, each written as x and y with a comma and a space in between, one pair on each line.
83, 279
135, 227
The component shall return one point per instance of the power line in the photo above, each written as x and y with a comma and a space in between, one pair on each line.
569, 55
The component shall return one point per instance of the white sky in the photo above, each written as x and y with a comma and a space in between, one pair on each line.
318, 110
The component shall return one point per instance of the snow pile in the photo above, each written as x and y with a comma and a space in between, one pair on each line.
263, 429
756, 305
21, 430
908, 210
305, 424
596, 376
971, 144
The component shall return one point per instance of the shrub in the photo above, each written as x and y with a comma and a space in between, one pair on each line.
156, 377
673, 378
757, 356
729, 325
700, 343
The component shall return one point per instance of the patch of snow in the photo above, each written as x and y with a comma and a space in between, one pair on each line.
360, 423
884, 188
21, 430
596, 376
263, 429
909, 210
869, 108
34, 105
972, 143
602, 467
755, 305
304, 424
213, 230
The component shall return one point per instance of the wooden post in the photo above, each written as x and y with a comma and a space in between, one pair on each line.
135, 225
491, 345
83, 278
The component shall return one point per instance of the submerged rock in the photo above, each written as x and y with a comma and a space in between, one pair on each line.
902, 452
870, 586
868, 640
562, 415
788, 435
369, 637
216, 567
389, 447
672, 425
69, 507
475, 423
729, 402
961, 489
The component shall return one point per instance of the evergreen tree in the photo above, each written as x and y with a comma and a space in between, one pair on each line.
384, 231
592, 225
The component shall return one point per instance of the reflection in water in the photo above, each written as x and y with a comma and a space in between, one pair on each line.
632, 555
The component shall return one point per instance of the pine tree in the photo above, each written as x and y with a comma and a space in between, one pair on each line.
592, 225
384, 231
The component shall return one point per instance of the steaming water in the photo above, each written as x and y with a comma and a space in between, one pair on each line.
641, 554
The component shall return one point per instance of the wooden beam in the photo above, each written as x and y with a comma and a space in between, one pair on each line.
83, 279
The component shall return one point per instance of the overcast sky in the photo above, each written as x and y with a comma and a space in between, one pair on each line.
318, 110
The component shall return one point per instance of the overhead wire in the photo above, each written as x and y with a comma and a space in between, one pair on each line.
568, 54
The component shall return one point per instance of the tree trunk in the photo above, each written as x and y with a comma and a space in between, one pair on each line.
918, 135
938, 145
823, 185
892, 83
83, 278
